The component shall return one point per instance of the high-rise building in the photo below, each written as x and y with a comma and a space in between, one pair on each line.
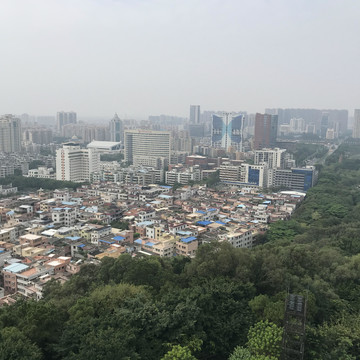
265, 130
194, 114
76, 164
116, 129
313, 116
38, 135
274, 158
297, 125
324, 124
65, 118
10, 134
86, 132
356, 127
196, 129
144, 147
227, 131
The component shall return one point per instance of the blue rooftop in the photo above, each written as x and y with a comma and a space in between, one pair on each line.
166, 186
107, 242
69, 203
212, 209
57, 209
188, 239
81, 245
204, 223
163, 196
10, 212
73, 238
118, 238
145, 223
220, 222
201, 212
149, 243
267, 202
138, 241
16, 268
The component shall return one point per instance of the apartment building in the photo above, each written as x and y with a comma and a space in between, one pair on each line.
142, 147
76, 164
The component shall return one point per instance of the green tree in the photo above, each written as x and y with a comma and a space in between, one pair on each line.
270, 308
14, 345
264, 339
240, 353
178, 352
339, 339
123, 225
35, 164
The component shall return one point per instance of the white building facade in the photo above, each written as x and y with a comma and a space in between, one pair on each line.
142, 146
10, 134
76, 164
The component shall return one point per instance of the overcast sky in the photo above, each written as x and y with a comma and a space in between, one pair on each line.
150, 57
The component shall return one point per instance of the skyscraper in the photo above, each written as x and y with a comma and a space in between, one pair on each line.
116, 129
65, 118
324, 124
10, 134
265, 130
196, 129
356, 127
146, 147
227, 130
194, 114
76, 164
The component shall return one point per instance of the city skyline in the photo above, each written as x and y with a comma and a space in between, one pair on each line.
136, 57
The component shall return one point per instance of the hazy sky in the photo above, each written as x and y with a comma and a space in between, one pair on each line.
143, 57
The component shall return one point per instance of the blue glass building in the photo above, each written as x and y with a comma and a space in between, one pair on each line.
227, 130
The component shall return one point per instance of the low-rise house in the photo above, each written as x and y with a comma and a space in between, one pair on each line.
187, 246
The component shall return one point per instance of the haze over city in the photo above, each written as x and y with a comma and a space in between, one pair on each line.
143, 58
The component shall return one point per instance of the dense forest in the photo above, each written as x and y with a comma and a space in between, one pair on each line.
225, 304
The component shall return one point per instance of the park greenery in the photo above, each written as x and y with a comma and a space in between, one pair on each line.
122, 225
303, 151
226, 303
30, 183
35, 164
